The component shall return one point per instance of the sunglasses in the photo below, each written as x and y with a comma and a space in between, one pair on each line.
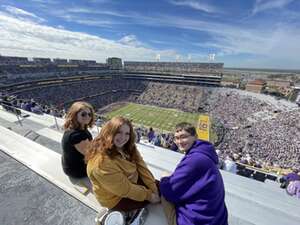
84, 114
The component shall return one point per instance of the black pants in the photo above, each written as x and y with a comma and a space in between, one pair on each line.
78, 172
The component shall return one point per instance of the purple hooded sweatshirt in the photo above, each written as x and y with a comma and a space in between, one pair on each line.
196, 187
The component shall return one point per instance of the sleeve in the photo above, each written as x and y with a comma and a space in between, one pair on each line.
145, 174
114, 180
89, 135
77, 137
190, 172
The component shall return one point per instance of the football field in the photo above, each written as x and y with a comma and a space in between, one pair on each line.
152, 116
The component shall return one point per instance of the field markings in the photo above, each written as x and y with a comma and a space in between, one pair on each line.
156, 117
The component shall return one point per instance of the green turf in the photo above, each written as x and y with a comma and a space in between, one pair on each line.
152, 116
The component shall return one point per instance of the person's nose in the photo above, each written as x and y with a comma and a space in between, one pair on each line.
179, 141
123, 137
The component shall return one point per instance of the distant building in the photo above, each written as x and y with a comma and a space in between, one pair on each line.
13, 60
298, 99
279, 83
230, 83
295, 95
60, 61
114, 63
42, 60
255, 86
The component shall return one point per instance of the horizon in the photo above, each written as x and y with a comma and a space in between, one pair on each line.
254, 34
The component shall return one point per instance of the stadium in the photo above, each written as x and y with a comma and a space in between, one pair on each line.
258, 132
251, 127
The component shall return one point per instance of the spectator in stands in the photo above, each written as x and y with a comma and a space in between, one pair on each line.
194, 193
293, 175
157, 140
221, 162
151, 134
230, 165
137, 134
174, 147
286, 179
76, 138
27, 106
121, 180
36, 108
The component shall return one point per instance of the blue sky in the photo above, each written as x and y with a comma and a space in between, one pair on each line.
241, 33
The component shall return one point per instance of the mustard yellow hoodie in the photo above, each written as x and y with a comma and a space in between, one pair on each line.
114, 179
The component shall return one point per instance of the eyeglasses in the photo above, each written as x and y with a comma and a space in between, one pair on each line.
84, 114
182, 137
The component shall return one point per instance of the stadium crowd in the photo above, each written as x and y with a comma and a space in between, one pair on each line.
274, 141
100, 92
182, 97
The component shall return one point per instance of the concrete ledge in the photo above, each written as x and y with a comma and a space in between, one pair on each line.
44, 162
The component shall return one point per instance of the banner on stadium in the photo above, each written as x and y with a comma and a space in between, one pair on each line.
203, 127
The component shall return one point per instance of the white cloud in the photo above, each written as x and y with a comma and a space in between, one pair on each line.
25, 38
83, 10
273, 46
233, 40
277, 45
45, 1
202, 6
130, 40
75, 15
20, 13
91, 22
262, 5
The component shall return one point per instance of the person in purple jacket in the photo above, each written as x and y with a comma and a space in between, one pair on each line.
194, 193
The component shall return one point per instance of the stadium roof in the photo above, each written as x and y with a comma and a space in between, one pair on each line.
257, 82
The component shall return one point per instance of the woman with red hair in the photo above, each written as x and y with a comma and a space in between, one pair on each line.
76, 138
121, 180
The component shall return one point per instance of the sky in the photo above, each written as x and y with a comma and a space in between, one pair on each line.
239, 33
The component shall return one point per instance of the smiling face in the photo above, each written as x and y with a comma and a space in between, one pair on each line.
122, 136
184, 140
84, 117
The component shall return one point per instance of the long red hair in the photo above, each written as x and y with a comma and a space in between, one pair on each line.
103, 143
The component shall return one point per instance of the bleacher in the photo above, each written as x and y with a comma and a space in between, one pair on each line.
31, 145
175, 67
207, 80
21, 67
206, 74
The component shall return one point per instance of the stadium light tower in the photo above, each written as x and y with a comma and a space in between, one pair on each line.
298, 99
157, 57
211, 57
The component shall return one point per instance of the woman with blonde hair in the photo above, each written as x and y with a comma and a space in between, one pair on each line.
76, 138
121, 180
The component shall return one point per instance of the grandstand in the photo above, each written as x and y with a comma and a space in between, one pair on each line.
235, 115
209, 74
14, 69
262, 131
174, 67
209, 80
